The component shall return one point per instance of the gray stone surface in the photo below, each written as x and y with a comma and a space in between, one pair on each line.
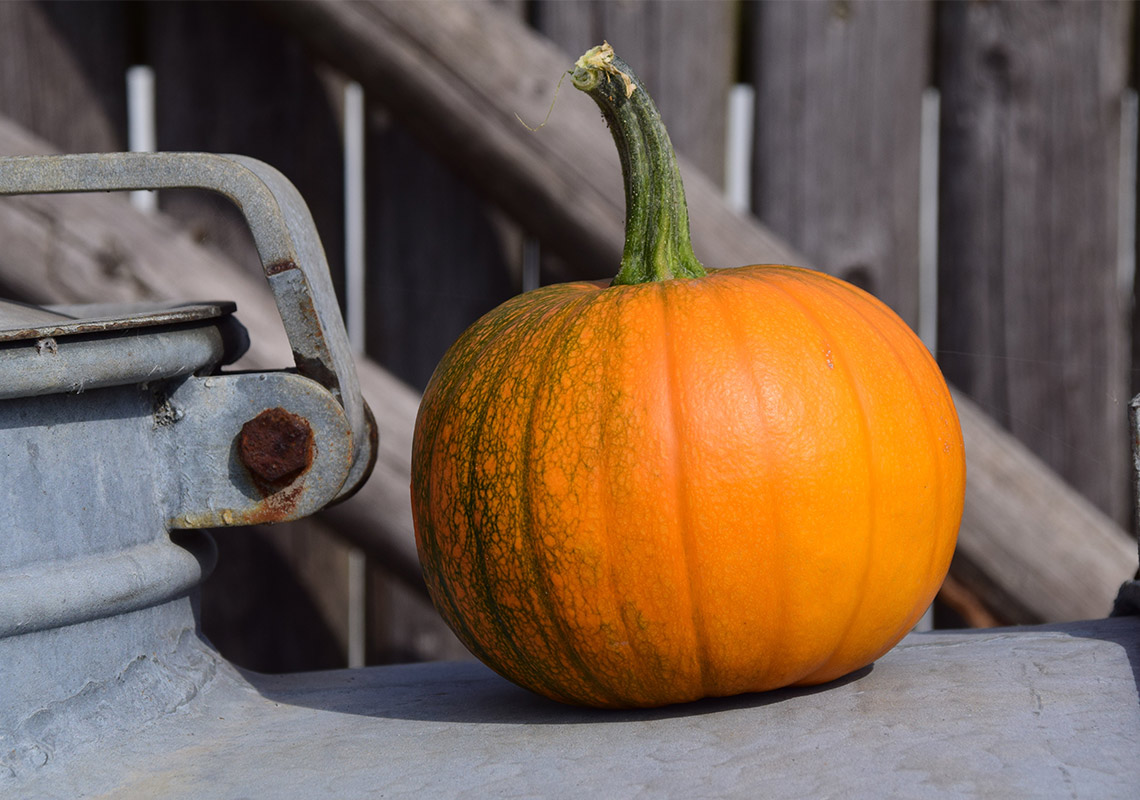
1049, 711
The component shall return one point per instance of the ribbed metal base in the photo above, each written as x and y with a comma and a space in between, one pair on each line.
98, 681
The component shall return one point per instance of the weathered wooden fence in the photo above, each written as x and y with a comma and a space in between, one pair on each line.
1034, 223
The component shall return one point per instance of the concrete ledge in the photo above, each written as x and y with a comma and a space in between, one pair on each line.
1048, 711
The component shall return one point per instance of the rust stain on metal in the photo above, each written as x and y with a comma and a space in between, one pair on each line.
276, 447
278, 267
316, 361
275, 508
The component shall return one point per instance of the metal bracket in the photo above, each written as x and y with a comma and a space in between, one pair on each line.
287, 243
252, 448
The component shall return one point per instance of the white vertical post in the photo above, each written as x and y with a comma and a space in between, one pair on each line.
141, 125
738, 148
354, 313
354, 213
928, 221
1126, 205
531, 264
928, 243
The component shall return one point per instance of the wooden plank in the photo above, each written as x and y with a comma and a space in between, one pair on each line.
457, 74
228, 83
437, 257
838, 125
1032, 570
264, 613
1034, 319
684, 51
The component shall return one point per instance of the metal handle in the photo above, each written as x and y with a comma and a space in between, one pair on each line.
287, 243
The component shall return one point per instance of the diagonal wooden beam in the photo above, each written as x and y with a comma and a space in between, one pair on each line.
461, 75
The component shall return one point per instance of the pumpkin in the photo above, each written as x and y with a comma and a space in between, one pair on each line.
684, 483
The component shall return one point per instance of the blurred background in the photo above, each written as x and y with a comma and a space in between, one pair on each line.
971, 163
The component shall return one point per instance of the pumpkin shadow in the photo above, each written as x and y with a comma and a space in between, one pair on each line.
468, 692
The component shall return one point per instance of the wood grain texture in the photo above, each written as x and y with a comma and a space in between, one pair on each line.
62, 72
457, 74
838, 125
435, 258
1033, 319
683, 51
1017, 547
225, 82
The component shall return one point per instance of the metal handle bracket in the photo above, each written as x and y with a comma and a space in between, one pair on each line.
287, 243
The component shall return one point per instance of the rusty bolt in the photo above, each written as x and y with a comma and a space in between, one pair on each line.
276, 447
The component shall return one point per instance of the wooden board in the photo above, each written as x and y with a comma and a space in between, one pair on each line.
837, 137
459, 75
437, 257
1033, 317
62, 72
683, 52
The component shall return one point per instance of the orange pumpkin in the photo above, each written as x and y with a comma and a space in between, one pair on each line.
685, 486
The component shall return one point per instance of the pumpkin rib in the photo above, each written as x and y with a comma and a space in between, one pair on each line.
430, 420
481, 559
748, 366
570, 312
857, 301
856, 391
844, 293
855, 307
609, 517
614, 307
508, 327
685, 522
470, 638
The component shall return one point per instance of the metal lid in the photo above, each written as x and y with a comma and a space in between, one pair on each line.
21, 321
74, 348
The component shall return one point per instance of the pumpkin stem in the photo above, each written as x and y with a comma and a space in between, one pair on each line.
657, 245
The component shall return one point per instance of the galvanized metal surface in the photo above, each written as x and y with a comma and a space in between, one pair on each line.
93, 590
115, 428
1039, 712
95, 684
284, 233
44, 596
77, 363
213, 487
